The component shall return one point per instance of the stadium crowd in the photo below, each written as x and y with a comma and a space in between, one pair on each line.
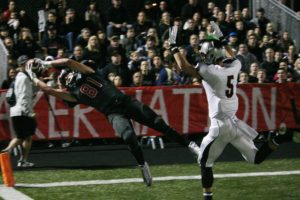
138, 53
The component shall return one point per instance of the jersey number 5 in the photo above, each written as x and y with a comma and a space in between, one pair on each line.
229, 92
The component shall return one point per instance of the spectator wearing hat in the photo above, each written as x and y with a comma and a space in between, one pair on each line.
51, 42
116, 46
233, 42
117, 67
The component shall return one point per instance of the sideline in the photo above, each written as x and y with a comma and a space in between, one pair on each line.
9, 193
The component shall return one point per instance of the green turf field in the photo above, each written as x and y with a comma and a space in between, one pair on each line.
246, 188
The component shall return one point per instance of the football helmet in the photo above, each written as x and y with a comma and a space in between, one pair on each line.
212, 51
67, 77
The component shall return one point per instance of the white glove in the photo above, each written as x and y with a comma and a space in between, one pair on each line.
217, 31
42, 65
172, 35
29, 71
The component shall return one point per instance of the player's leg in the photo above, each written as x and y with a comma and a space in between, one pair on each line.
211, 148
146, 116
124, 129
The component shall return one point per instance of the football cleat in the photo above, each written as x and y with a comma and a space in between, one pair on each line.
146, 174
194, 148
25, 164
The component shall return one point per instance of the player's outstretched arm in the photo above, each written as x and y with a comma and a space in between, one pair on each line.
185, 65
72, 64
59, 93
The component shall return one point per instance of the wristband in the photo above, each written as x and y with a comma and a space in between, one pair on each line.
175, 50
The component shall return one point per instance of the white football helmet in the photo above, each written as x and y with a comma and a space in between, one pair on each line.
212, 51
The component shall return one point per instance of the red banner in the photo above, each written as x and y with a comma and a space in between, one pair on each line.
264, 107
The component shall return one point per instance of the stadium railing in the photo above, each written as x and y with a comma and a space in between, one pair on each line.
284, 18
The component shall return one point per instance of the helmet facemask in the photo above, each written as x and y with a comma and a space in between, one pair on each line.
212, 52
67, 77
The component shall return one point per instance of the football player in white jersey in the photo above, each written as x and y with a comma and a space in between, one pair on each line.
219, 71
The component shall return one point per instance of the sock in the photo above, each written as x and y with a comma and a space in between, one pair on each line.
208, 195
264, 151
138, 155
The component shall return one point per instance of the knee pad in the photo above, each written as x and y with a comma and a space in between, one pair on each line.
207, 177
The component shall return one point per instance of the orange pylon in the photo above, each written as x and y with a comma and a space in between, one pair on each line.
6, 168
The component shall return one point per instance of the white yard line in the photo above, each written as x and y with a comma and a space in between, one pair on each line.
9, 193
165, 178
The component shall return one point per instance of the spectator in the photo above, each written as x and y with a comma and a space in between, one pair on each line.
233, 42
130, 43
253, 73
83, 38
118, 82
51, 42
224, 25
52, 20
103, 43
92, 52
261, 20
253, 46
271, 32
22, 115
269, 64
245, 57
193, 49
71, 27
116, 17
188, 10
151, 11
4, 32
117, 67
164, 23
281, 76
285, 41
150, 44
116, 46
11, 8
12, 49
77, 54
93, 18
296, 73
142, 24
243, 78
261, 76
26, 43
134, 62
241, 31
190, 30
137, 79
11, 75
147, 75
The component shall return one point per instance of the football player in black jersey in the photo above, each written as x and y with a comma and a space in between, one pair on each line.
83, 85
